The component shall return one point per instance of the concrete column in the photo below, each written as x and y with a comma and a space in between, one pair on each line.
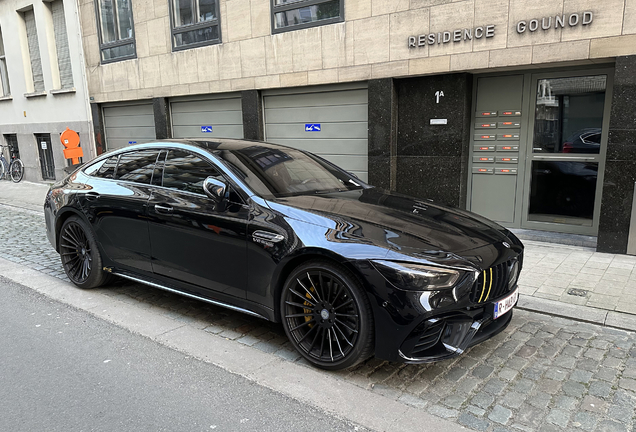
163, 129
620, 165
432, 159
382, 133
98, 128
252, 103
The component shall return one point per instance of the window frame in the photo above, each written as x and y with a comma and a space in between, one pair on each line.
297, 5
4, 70
121, 42
175, 30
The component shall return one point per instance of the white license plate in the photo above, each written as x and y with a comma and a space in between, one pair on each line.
504, 305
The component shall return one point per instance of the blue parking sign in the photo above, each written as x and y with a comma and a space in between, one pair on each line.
206, 129
312, 127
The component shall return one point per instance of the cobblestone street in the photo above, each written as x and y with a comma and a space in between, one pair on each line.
541, 374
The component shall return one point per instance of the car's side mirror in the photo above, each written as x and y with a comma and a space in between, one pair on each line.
215, 189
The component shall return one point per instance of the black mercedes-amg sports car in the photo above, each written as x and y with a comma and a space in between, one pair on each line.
350, 270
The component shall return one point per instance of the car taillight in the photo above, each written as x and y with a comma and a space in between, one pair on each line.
567, 147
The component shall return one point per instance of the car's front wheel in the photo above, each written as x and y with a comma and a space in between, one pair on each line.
80, 256
327, 315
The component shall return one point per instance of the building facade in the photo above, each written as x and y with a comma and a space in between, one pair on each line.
519, 110
43, 86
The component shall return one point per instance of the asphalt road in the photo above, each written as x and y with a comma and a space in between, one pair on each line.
62, 369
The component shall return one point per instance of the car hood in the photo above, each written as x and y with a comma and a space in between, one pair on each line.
393, 220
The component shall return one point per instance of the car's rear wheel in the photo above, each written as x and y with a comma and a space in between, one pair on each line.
327, 315
80, 256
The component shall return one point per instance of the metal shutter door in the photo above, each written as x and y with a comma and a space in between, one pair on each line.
61, 45
343, 119
223, 115
128, 124
34, 51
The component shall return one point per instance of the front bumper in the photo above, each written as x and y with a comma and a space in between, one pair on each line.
421, 327
445, 338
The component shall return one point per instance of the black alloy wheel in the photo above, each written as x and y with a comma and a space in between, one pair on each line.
80, 256
327, 316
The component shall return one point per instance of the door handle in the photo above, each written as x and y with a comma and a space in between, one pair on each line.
91, 196
163, 208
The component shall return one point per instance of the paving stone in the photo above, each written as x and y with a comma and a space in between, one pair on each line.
565, 403
530, 416
494, 386
513, 399
593, 404
573, 389
483, 371
565, 362
454, 400
482, 400
556, 374
540, 400
443, 412
584, 420
587, 364
526, 351
611, 426
532, 373
549, 386
627, 383
479, 412
473, 422
523, 385
507, 374
558, 417
581, 376
467, 385
455, 374
605, 374
600, 388
500, 414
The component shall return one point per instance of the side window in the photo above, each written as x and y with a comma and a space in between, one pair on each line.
195, 23
115, 29
107, 170
298, 14
186, 171
137, 166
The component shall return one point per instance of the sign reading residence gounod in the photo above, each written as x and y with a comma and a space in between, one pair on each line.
488, 31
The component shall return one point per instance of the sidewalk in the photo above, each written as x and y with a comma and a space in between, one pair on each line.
561, 280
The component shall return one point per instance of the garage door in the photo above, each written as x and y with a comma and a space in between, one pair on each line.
128, 124
331, 122
219, 117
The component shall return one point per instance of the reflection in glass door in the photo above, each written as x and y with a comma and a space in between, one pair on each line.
566, 153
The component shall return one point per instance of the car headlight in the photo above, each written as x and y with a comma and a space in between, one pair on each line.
417, 277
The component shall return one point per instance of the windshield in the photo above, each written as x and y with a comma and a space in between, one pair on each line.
279, 172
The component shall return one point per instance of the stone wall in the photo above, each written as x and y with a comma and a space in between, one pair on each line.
372, 43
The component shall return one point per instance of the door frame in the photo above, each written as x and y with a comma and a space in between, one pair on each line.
528, 157
527, 129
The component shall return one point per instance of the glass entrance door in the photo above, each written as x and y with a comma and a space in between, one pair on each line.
566, 153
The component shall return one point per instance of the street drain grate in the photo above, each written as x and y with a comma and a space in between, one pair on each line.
577, 292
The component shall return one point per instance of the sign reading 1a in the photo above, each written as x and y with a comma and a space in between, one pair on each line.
438, 94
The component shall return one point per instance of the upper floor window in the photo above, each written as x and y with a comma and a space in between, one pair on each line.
297, 14
195, 23
116, 32
34, 51
61, 45
5, 90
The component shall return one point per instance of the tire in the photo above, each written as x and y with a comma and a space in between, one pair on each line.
17, 170
80, 255
3, 170
327, 316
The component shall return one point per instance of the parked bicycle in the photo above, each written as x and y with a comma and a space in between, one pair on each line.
13, 169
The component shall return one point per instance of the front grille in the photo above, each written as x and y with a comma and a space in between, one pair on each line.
492, 283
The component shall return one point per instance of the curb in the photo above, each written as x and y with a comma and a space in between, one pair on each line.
606, 318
